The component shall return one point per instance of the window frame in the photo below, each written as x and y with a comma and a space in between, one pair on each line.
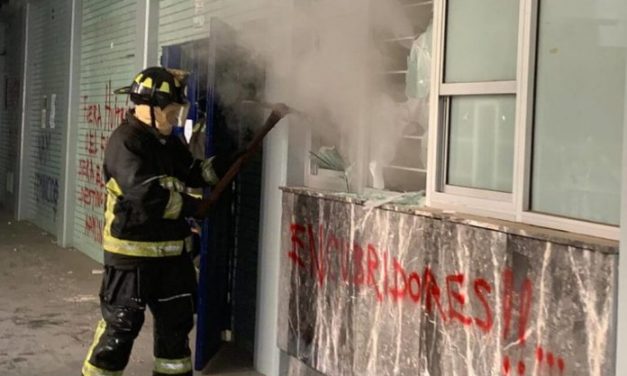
517, 205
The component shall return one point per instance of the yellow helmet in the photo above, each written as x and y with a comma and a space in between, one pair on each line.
157, 86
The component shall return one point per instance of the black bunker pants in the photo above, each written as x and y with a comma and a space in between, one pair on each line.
168, 288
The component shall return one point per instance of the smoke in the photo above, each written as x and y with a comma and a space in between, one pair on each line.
342, 74
338, 65
337, 76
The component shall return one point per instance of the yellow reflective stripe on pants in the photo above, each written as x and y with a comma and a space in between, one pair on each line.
174, 206
208, 173
88, 368
173, 366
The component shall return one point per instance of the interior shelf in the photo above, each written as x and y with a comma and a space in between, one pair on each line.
406, 168
410, 38
413, 137
395, 72
411, 5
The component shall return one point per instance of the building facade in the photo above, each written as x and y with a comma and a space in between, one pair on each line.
509, 112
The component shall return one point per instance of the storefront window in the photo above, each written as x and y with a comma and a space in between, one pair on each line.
480, 54
481, 40
481, 147
579, 109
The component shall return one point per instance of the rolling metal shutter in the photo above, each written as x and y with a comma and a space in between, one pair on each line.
46, 110
8, 131
176, 22
108, 46
186, 20
11, 114
4, 124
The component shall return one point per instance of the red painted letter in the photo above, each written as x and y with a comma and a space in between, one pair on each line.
373, 264
415, 296
525, 307
358, 258
432, 291
457, 296
395, 291
508, 287
296, 244
482, 285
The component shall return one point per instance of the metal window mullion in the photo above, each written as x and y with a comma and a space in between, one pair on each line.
525, 105
444, 135
478, 88
479, 193
435, 142
478, 206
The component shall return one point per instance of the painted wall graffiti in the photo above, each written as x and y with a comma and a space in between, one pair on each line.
91, 198
100, 118
90, 172
11, 92
106, 115
370, 292
363, 266
46, 190
44, 142
11, 101
93, 227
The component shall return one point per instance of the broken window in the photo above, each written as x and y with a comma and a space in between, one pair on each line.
397, 154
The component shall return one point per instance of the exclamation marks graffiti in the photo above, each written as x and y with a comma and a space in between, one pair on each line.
521, 368
549, 362
508, 282
507, 367
523, 309
539, 355
524, 306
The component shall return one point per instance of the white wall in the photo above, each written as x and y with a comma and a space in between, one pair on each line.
621, 316
617, 31
267, 357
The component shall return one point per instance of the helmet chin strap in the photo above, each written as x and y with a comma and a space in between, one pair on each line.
153, 121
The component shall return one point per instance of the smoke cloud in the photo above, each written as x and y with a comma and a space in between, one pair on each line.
349, 73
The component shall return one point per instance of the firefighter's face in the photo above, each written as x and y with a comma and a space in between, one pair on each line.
167, 118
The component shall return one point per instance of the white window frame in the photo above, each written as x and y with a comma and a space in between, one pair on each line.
515, 206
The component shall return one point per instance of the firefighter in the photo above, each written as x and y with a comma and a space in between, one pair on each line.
145, 258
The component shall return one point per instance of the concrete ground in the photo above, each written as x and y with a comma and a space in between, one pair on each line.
49, 309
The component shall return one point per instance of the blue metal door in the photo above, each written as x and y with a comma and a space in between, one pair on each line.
222, 77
